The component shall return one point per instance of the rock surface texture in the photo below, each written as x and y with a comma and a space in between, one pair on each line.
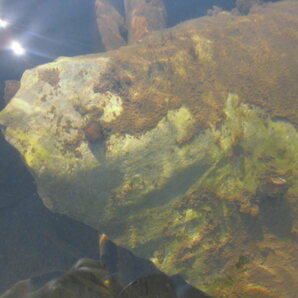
182, 147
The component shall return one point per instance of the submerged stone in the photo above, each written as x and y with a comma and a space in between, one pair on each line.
190, 122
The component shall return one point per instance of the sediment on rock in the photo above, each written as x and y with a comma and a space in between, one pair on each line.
169, 144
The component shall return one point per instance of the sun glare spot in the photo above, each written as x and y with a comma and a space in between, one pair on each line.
17, 48
3, 23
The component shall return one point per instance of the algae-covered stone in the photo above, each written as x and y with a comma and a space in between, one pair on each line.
189, 126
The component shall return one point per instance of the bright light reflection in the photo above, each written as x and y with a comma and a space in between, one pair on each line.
17, 48
3, 23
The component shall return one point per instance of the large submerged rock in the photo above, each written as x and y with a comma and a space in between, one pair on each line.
183, 146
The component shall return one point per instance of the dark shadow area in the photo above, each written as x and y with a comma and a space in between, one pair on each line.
253, 227
178, 185
275, 215
34, 240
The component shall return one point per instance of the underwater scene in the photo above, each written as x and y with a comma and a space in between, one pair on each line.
148, 148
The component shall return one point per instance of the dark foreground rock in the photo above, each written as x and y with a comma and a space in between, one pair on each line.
118, 274
34, 240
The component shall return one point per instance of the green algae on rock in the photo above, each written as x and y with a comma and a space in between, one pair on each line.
195, 120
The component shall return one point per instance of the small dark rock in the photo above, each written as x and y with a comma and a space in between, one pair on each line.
93, 132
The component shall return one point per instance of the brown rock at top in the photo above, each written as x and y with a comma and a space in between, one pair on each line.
139, 18
111, 25
143, 17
